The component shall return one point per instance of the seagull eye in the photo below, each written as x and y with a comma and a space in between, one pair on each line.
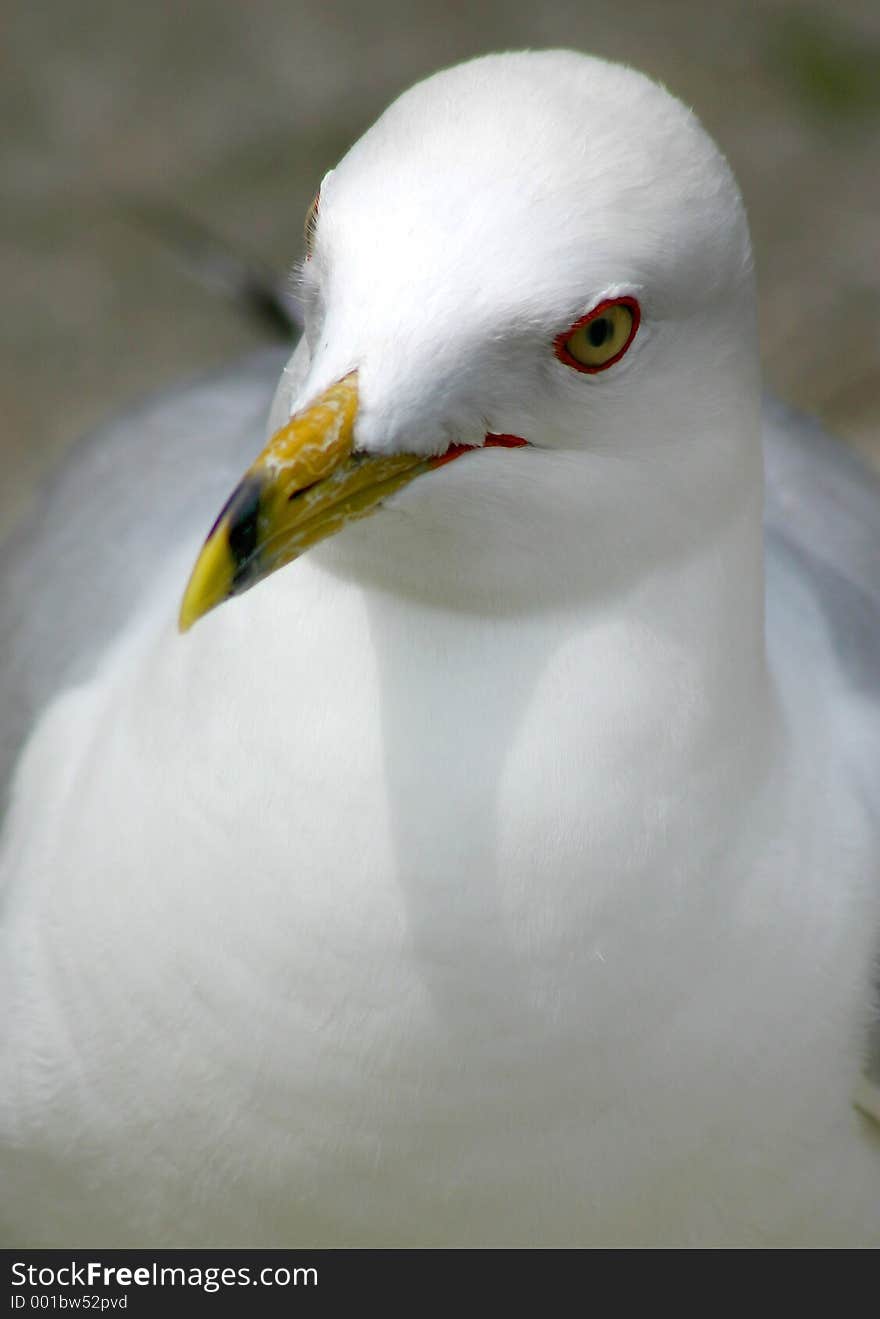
311, 225
600, 338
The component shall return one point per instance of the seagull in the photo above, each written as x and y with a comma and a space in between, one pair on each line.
471, 858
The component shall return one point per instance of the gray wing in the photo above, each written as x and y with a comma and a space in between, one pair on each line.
823, 521
72, 572
823, 511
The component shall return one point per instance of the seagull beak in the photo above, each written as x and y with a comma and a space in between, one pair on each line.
307, 484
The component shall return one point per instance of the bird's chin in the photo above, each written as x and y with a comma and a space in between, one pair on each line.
466, 538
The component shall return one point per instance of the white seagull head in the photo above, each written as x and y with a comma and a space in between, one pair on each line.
537, 246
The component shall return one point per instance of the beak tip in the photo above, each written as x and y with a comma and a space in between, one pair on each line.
185, 619
211, 581
191, 610
259, 527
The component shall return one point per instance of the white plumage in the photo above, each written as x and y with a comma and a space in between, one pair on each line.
476, 879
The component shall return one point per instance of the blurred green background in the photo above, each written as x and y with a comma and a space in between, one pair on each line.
233, 109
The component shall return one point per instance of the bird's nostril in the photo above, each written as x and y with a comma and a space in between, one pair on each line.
301, 491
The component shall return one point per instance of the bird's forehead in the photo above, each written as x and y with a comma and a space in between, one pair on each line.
545, 170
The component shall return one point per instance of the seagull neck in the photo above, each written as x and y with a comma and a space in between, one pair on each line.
498, 562
677, 628
709, 612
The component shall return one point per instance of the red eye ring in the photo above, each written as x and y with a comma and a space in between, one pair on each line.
559, 343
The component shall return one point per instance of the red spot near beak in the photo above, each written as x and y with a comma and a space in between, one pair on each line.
490, 442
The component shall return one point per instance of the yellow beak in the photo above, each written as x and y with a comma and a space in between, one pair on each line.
305, 485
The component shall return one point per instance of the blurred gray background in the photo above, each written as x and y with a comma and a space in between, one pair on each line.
231, 110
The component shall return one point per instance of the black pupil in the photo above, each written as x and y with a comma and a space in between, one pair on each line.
599, 331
